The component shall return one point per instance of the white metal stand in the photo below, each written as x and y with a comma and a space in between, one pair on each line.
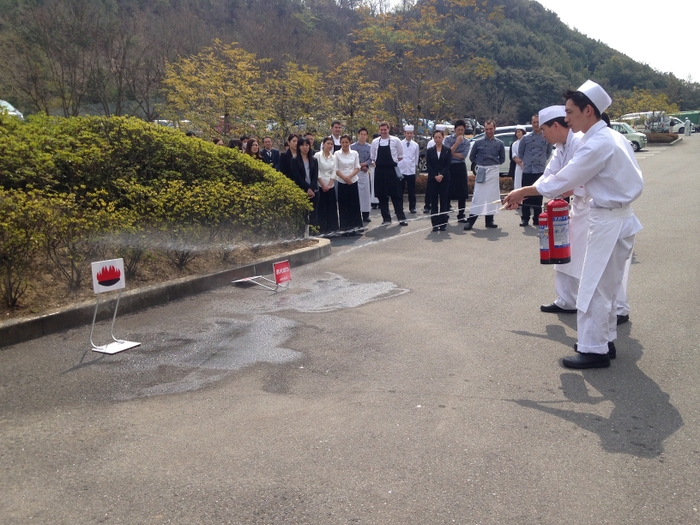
253, 280
117, 345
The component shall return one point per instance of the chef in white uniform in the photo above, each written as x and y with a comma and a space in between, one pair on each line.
606, 167
566, 281
567, 276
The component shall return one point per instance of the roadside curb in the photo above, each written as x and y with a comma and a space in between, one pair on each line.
26, 328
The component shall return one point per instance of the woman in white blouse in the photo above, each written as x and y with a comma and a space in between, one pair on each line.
347, 166
517, 162
327, 208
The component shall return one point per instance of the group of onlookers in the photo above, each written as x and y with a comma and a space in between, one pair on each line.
343, 180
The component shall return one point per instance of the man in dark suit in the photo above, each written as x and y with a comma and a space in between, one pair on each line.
269, 154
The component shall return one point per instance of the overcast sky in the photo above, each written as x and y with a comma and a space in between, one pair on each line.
664, 35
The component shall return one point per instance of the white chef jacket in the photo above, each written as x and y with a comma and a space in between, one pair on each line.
411, 156
580, 206
605, 165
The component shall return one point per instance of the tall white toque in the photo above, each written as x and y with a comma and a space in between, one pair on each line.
597, 94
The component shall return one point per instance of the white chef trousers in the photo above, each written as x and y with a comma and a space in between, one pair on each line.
598, 325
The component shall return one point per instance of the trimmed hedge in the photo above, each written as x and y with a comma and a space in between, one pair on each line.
661, 138
104, 184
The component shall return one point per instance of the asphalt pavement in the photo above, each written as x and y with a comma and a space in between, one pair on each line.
408, 378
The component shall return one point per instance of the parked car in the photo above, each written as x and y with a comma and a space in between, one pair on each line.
10, 109
507, 135
637, 139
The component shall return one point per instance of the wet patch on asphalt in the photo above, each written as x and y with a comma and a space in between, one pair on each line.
177, 364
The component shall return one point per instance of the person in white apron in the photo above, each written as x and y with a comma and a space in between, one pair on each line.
373, 200
488, 153
363, 183
605, 166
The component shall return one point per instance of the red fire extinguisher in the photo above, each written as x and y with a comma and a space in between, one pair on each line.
544, 236
558, 226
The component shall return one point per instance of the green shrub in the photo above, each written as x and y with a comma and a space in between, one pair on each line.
74, 232
22, 219
118, 185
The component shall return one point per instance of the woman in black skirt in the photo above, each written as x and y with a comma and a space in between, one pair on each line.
327, 209
347, 166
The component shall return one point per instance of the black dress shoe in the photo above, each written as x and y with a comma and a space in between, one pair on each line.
612, 351
386, 223
554, 308
491, 225
411, 211
461, 219
367, 220
581, 361
623, 318
535, 223
426, 210
436, 228
468, 226
443, 227
403, 223
523, 223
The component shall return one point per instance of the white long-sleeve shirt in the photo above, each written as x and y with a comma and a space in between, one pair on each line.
346, 163
394, 144
326, 167
605, 165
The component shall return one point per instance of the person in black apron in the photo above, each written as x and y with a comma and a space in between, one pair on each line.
386, 152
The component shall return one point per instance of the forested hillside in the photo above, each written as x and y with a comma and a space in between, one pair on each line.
316, 59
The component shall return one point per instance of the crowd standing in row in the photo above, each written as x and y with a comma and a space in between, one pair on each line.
345, 180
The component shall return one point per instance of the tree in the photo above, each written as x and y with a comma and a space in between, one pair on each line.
409, 61
49, 49
354, 97
222, 81
641, 100
295, 98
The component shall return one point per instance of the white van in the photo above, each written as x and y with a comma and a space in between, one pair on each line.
654, 122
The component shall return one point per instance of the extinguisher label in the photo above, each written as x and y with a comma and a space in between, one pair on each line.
561, 231
544, 238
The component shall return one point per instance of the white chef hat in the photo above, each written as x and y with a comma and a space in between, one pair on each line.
550, 113
408, 127
439, 127
596, 94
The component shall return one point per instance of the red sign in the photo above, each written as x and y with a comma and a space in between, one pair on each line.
282, 271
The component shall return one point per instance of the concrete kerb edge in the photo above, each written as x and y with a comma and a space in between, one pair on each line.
27, 328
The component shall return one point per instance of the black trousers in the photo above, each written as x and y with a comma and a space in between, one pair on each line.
532, 206
409, 182
387, 186
438, 193
459, 188
398, 207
